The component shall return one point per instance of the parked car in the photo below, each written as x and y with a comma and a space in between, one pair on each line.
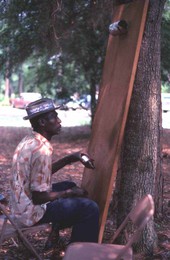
68, 104
83, 102
72, 104
24, 99
165, 102
62, 103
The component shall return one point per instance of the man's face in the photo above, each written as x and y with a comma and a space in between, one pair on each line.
52, 123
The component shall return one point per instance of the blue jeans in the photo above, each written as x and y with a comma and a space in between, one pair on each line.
80, 213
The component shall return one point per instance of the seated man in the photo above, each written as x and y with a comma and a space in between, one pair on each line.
33, 197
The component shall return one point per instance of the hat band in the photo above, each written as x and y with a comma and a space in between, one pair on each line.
40, 108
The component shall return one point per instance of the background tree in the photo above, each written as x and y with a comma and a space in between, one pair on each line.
66, 32
165, 48
88, 31
73, 30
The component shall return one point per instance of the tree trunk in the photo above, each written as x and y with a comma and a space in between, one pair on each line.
140, 163
93, 96
7, 88
7, 81
20, 80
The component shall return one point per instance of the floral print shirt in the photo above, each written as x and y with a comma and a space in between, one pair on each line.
31, 171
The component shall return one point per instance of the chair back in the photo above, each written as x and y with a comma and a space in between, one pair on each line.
139, 216
142, 212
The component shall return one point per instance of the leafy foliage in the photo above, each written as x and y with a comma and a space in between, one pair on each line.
61, 43
165, 47
64, 40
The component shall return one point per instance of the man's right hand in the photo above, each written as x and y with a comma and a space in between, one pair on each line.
76, 192
43, 197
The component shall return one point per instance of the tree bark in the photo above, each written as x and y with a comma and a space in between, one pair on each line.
93, 97
7, 88
7, 79
140, 163
20, 80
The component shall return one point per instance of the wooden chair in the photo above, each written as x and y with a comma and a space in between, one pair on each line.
139, 216
9, 228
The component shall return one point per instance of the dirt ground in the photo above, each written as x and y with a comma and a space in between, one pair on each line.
70, 140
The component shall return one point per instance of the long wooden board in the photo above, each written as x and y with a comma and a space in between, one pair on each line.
114, 99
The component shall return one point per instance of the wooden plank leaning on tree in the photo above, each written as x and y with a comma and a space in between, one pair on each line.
112, 109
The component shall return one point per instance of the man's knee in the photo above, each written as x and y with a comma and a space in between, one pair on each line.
93, 207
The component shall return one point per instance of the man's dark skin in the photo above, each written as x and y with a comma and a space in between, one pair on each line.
50, 125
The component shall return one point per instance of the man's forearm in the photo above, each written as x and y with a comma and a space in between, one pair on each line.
44, 197
39, 198
63, 162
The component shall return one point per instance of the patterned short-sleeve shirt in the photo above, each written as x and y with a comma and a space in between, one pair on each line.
31, 171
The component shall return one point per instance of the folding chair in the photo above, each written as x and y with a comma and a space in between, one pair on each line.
9, 228
139, 216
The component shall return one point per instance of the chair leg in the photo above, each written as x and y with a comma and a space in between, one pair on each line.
28, 245
3, 230
52, 238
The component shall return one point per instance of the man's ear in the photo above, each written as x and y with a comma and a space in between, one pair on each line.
41, 121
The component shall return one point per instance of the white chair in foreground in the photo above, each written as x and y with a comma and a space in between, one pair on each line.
139, 216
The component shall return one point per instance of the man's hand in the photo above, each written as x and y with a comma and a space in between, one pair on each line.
87, 161
84, 159
43, 197
76, 192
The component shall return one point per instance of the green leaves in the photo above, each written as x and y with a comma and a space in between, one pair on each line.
64, 40
165, 46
